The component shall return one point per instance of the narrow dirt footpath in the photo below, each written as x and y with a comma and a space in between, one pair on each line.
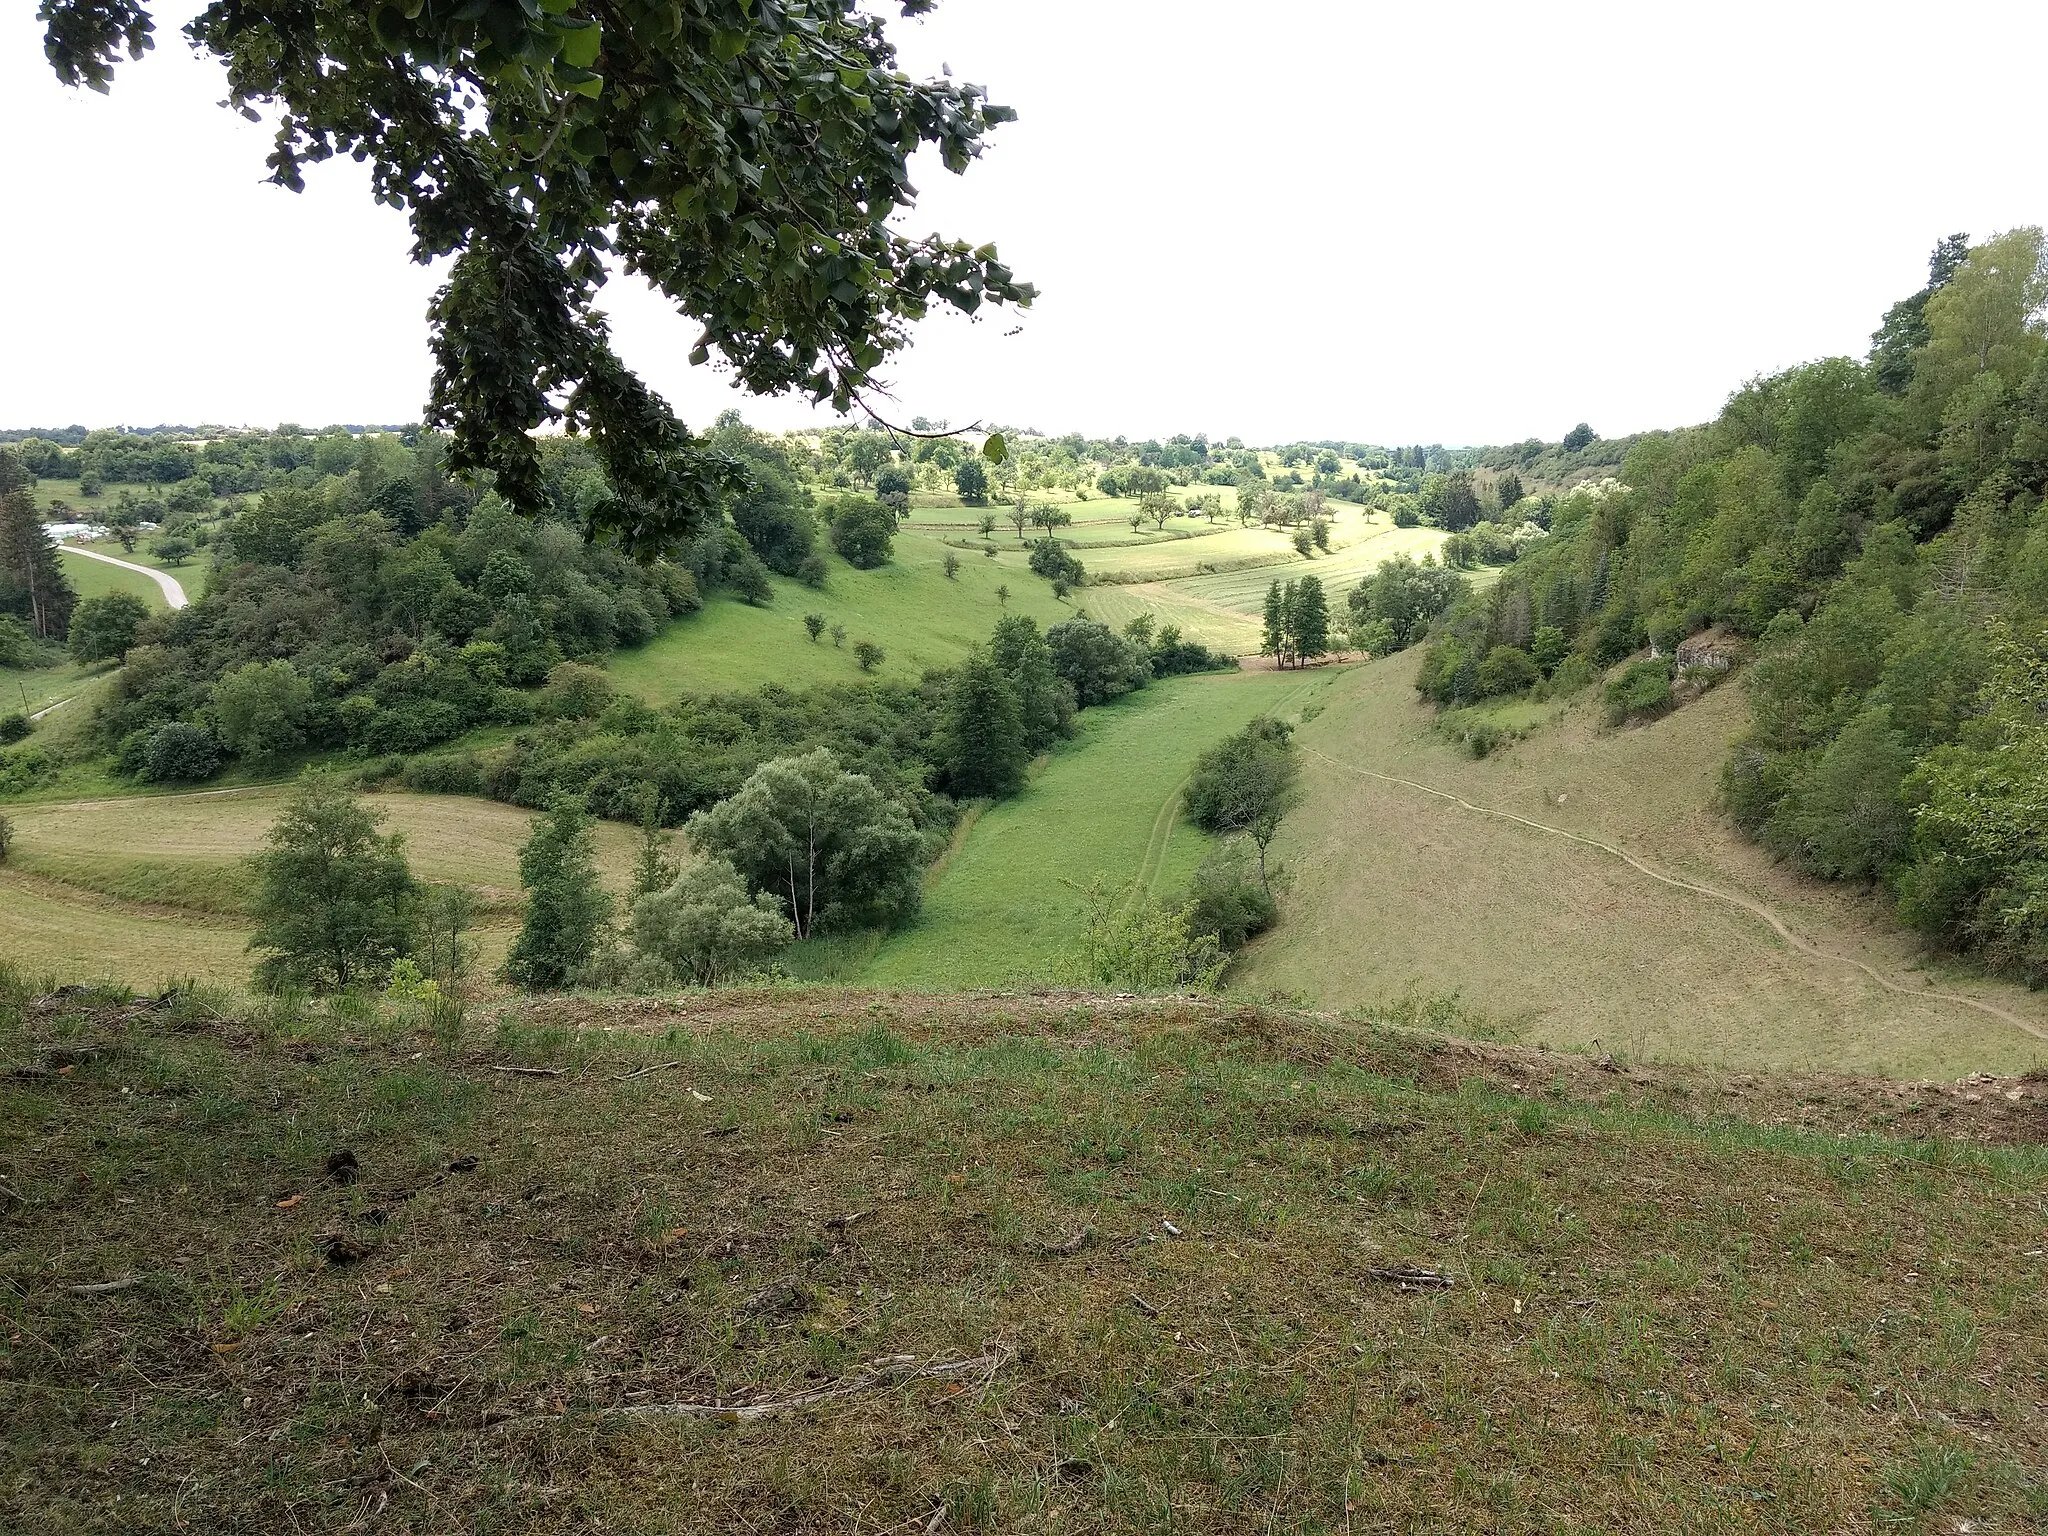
1754, 908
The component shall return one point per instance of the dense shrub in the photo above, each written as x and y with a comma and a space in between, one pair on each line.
1226, 903
863, 531
1643, 692
1055, 562
1096, 662
827, 844
178, 752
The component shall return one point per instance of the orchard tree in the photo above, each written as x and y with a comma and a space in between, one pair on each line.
748, 158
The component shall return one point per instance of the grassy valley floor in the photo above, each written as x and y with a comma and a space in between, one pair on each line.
816, 1261
1008, 905
1397, 893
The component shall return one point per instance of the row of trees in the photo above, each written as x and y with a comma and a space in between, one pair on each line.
1297, 622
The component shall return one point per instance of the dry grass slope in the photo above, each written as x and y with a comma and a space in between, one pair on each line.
1041, 1264
1398, 892
147, 889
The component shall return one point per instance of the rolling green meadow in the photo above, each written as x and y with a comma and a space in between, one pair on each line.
1005, 907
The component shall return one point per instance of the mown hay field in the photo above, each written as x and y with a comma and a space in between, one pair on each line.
1396, 893
147, 889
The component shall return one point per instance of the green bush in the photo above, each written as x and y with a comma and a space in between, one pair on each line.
1226, 903
179, 753
1643, 692
14, 728
1506, 669
460, 773
1134, 942
863, 531
705, 929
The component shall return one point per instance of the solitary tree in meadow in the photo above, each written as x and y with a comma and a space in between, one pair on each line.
334, 899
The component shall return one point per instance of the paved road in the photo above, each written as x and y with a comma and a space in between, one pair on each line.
174, 594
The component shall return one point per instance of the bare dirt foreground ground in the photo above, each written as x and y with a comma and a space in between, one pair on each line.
807, 1260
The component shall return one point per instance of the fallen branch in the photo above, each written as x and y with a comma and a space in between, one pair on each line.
530, 1071
1412, 1277
893, 1370
659, 1066
104, 1288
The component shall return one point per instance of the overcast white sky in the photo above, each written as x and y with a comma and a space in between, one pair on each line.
1435, 222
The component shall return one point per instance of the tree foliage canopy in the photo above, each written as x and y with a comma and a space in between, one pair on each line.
745, 156
334, 898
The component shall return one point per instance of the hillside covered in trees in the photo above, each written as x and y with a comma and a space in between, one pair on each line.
1874, 531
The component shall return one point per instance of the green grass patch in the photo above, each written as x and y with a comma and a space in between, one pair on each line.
1169, 1238
1007, 906
909, 607
95, 578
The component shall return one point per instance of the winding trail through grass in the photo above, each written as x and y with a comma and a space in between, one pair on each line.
1754, 908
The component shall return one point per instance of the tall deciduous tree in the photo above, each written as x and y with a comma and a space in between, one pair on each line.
1045, 703
334, 899
746, 157
566, 907
985, 750
103, 627
826, 842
